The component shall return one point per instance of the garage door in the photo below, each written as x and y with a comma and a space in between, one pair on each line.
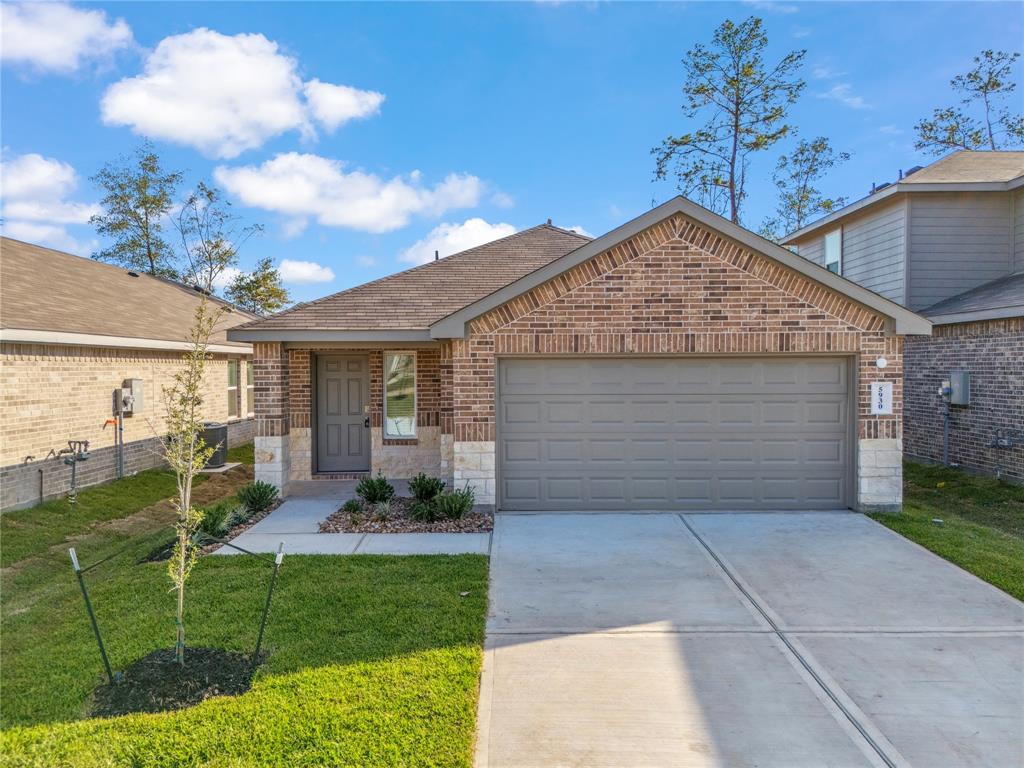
664, 434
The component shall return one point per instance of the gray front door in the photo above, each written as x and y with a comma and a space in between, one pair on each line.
673, 433
342, 416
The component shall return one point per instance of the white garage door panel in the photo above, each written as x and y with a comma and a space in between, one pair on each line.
586, 434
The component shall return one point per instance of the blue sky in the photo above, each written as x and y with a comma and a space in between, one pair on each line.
455, 122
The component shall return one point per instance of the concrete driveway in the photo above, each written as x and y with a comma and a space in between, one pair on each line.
772, 639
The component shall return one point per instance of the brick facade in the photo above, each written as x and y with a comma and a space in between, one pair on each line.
680, 289
676, 288
52, 394
993, 352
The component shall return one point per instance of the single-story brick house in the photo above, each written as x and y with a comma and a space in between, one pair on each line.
677, 362
72, 331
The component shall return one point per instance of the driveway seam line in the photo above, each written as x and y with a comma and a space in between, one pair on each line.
792, 649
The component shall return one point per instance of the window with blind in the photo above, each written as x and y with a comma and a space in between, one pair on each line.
400, 395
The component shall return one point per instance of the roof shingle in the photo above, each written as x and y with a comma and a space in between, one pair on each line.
419, 297
46, 290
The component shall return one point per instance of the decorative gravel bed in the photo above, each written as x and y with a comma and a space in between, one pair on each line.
398, 521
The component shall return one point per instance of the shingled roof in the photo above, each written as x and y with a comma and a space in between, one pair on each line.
418, 297
46, 294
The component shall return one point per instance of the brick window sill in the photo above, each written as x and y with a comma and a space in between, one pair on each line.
401, 441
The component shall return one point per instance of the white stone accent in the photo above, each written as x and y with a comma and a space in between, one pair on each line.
401, 462
473, 463
301, 451
880, 475
273, 456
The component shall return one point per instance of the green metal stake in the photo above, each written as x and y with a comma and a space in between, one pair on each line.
92, 616
266, 606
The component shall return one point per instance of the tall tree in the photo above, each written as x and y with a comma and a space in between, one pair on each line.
187, 453
259, 291
210, 236
139, 194
796, 177
743, 102
981, 121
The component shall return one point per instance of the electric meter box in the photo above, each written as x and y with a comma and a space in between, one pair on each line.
132, 396
960, 388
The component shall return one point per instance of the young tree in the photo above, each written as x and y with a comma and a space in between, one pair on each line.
187, 453
259, 291
210, 236
796, 177
983, 89
743, 101
138, 195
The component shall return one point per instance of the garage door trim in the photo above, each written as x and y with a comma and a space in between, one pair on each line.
852, 404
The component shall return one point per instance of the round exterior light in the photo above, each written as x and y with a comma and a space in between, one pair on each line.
881, 362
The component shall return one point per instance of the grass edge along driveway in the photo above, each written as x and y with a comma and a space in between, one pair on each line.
982, 528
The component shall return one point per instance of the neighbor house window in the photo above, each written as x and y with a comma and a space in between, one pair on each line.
834, 251
250, 389
400, 395
232, 388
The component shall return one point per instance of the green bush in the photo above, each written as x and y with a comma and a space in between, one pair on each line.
374, 490
423, 511
257, 497
454, 505
218, 519
352, 505
424, 488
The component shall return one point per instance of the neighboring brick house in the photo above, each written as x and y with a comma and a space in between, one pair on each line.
947, 241
677, 362
72, 330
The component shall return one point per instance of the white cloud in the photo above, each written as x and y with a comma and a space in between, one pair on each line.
333, 105
226, 94
226, 278
447, 239
55, 37
34, 200
801, 32
304, 272
843, 93
300, 186
502, 199
824, 72
578, 230
890, 130
366, 261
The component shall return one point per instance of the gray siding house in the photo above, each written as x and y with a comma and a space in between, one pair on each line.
947, 240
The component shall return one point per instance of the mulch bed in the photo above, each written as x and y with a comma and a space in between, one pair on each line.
157, 683
163, 552
398, 521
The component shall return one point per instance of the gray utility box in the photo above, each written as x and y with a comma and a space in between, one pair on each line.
960, 388
132, 396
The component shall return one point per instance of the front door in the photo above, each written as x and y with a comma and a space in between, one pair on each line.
342, 413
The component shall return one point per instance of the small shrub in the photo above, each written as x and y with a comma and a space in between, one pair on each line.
374, 490
218, 519
355, 519
257, 497
424, 488
423, 511
381, 511
454, 505
352, 505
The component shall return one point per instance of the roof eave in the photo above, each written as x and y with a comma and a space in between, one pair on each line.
1001, 313
324, 335
905, 322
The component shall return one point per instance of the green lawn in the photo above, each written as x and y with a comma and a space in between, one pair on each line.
32, 531
243, 453
982, 527
372, 660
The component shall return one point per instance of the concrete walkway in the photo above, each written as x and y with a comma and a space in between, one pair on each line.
297, 521
790, 640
